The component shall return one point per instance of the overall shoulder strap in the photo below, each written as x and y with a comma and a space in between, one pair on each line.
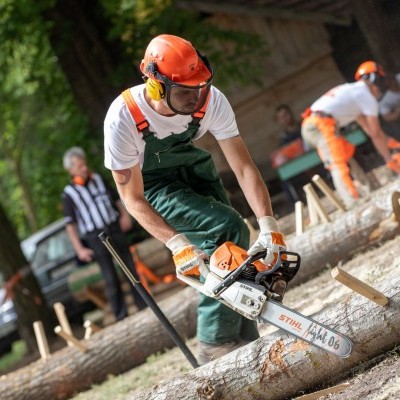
199, 115
141, 123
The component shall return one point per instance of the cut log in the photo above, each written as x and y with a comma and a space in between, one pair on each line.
112, 350
279, 366
369, 222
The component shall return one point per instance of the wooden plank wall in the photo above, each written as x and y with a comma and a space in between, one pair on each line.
297, 70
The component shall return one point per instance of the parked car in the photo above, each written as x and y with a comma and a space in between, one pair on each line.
8, 322
52, 259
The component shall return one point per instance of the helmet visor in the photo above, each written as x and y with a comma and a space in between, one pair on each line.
186, 100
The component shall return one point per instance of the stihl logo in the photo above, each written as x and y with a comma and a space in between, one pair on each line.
291, 321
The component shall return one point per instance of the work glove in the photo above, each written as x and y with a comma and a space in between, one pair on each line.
268, 239
188, 259
394, 163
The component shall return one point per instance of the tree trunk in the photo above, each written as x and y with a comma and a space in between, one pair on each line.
28, 300
88, 59
279, 366
113, 350
374, 23
330, 243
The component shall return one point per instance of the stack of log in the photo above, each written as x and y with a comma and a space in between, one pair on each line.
273, 367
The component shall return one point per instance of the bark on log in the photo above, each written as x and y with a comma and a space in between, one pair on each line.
113, 350
369, 222
280, 366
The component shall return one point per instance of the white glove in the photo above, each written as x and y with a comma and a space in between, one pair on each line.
188, 259
268, 239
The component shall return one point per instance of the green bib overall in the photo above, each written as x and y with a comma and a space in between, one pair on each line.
182, 184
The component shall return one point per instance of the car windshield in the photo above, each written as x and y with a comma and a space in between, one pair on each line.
53, 248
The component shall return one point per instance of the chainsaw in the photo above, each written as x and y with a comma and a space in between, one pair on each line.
245, 284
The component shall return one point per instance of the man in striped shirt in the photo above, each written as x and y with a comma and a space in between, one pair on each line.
90, 207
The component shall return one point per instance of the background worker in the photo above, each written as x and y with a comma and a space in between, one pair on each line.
337, 108
90, 207
291, 127
172, 188
291, 132
389, 106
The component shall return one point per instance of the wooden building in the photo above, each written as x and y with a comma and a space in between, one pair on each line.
299, 66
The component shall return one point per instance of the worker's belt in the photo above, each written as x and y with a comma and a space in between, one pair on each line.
321, 114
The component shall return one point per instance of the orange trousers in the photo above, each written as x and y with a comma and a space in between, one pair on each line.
334, 150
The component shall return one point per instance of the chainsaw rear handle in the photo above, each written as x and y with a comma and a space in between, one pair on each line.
284, 267
288, 275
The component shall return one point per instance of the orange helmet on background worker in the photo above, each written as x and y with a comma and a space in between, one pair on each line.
175, 71
374, 73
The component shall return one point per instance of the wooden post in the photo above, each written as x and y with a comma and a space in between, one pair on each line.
70, 339
311, 208
298, 207
396, 204
62, 319
90, 328
316, 203
41, 340
324, 392
359, 286
328, 192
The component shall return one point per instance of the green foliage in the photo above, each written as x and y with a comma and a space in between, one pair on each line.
232, 53
38, 116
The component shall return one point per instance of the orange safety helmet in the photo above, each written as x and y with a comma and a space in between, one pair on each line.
172, 66
373, 72
367, 68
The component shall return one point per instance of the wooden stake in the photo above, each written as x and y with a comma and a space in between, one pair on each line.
298, 207
359, 286
316, 203
311, 207
90, 328
62, 319
324, 392
41, 340
70, 339
328, 192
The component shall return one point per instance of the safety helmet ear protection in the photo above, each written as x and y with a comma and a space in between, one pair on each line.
373, 72
155, 89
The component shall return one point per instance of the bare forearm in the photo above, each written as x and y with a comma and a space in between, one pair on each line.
256, 192
149, 219
74, 237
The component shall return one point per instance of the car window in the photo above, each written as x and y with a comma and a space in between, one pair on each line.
55, 247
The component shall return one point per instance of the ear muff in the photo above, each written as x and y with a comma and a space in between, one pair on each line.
155, 89
78, 180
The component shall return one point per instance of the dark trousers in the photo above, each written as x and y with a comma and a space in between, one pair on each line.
112, 283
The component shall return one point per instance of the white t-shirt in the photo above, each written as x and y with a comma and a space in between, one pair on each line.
346, 102
124, 146
390, 101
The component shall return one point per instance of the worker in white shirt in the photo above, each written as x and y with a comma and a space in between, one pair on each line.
337, 108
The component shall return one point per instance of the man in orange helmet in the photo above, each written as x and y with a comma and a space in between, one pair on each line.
172, 188
340, 106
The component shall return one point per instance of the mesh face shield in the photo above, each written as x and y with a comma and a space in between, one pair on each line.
185, 99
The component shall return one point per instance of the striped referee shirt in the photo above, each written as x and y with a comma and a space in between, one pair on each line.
91, 206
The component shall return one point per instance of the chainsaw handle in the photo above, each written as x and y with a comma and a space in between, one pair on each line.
287, 272
232, 276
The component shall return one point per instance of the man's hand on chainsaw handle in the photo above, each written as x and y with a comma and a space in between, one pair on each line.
188, 259
268, 239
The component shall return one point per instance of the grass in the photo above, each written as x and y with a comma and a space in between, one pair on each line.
159, 366
16, 354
